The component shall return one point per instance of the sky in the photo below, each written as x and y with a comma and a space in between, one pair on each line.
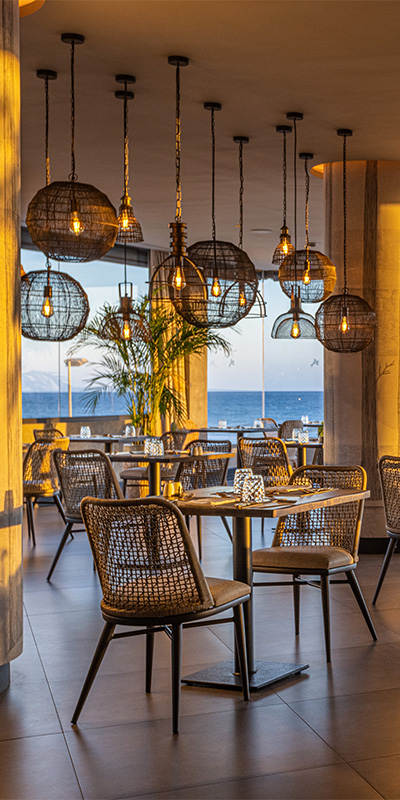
289, 365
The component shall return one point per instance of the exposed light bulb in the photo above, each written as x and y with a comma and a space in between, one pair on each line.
76, 225
124, 219
126, 330
242, 299
295, 331
306, 277
178, 279
344, 324
47, 309
216, 288
285, 247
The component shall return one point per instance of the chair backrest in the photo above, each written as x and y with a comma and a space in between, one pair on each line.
389, 474
172, 440
38, 469
286, 428
199, 474
145, 559
269, 424
47, 434
266, 457
85, 473
335, 526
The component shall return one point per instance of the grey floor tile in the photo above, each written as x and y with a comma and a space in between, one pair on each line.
37, 768
383, 774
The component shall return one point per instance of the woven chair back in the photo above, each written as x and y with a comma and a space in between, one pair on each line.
199, 474
269, 424
172, 440
286, 428
266, 457
39, 472
334, 526
47, 434
389, 474
86, 473
145, 558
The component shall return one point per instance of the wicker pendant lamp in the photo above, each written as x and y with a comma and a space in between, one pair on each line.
229, 274
129, 229
285, 247
345, 323
54, 307
177, 279
125, 324
316, 275
295, 324
68, 220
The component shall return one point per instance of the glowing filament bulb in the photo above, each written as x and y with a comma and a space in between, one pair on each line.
47, 309
344, 324
216, 288
242, 300
76, 225
124, 219
178, 280
285, 247
126, 330
295, 332
306, 277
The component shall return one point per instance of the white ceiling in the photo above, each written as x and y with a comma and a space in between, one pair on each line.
337, 61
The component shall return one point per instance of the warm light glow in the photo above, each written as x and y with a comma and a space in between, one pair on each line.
242, 299
76, 225
178, 279
124, 219
344, 324
47, 309
216, 288
295, 332
126, 330
306, 277
285, 247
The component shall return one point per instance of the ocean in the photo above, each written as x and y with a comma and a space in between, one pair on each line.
237, 408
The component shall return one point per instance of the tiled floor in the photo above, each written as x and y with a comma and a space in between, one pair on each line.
331, 733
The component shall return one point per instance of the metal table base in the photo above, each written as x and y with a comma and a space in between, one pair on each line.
222, 676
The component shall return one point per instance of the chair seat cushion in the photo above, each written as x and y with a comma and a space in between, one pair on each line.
225, 591
134, 473
306, 557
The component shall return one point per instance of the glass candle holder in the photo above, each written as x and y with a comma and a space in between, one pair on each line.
303, 437
253, 489
295, 434
85, 431
239, 478
153, 447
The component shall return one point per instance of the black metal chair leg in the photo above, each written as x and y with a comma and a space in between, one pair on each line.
149, 658
296, 604
241, 650
31, 519
386, 561
326, 615
124, 482
227, 528
199, 538
361, 602
60, 548
101, 648
56, 498
176, 674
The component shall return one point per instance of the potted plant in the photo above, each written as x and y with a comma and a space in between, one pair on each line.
141, 369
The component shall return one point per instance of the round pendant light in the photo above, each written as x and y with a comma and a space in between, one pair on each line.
177, 278
285, 247
125, 323
54, 307
129, 229
295, 324
315, 273
68, 220
345, 323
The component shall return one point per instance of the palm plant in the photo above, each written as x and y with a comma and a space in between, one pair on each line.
141, 369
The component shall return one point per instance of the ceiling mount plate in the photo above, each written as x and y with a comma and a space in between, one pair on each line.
72, 38
46, 73
283, 128
306, 156
243, 139
212, 106
178, 61
294, 115
344, 132
125, 79
121, 95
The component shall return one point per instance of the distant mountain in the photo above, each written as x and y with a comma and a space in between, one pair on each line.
37, 381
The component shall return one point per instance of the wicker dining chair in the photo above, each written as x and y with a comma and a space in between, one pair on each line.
389, 475
81, 474
151, 578
322, 542
137, 476
201, 474
47, 434
270, 427
267, 457
285, 430
40, 478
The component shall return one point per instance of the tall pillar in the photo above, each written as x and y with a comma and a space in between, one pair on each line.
10, 393
362, 391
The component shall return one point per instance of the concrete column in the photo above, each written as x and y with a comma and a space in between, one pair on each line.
362, 390
10, 341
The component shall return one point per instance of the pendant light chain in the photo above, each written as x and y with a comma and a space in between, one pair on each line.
214, 236
344, 216
178, 214
73, 176
307, 189
47, 158
241, 191
126, 143
295, 197
284, 178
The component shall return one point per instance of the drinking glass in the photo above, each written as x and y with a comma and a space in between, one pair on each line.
222, 423
257, 423
253, 489
85, 432
239, 478
129, 430
303, 437
295, 434
304, 419
153, 447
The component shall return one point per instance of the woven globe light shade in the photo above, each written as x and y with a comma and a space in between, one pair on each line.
69, 306
282, 327
359, 328
237, 285
129, 229
50, 221
321, 275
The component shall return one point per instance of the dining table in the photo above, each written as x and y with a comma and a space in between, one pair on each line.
280, 501
302, 447
155, 461
109, 440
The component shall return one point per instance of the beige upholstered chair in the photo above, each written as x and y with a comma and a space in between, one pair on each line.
322, 542
389, 474
81, 474
40, 477
151, 578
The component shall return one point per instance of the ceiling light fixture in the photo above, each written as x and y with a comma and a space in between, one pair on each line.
285, 247
129, 228
67, 220
345, 323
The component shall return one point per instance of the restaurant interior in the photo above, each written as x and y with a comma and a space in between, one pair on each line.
219, 146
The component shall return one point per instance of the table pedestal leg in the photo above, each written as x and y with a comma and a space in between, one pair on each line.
154, 478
